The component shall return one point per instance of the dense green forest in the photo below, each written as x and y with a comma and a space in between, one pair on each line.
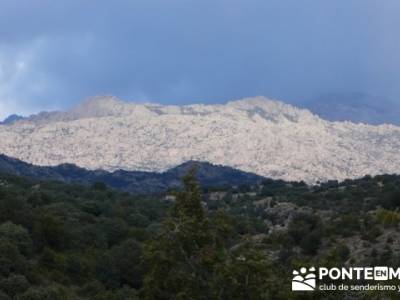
69, 241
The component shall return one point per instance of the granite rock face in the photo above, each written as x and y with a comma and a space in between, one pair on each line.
257, 135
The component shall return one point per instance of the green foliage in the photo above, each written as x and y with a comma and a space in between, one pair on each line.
14, 284
306, 231
388, 218
17, 235
69, 241
190, 259
181, 257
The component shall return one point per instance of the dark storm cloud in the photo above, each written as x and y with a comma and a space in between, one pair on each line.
55, 53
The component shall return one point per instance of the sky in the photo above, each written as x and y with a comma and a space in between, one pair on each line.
54, 54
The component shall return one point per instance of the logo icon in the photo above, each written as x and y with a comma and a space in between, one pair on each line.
304, 280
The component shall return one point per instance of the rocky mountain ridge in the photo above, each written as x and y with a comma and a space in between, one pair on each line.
258, 135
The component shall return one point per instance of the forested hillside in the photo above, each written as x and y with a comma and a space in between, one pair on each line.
67, 241
134, 182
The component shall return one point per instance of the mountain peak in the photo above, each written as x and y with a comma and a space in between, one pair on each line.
271, 109
11, 119
251, 102
100, 101
98, 106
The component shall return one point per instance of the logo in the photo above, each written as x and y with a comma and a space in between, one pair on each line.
304, 280
345, 279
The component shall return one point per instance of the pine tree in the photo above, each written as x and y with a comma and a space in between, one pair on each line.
181, 258
193, 259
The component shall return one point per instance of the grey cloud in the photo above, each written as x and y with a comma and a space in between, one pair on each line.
194, 51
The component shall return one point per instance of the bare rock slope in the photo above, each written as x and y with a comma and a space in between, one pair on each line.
257, 135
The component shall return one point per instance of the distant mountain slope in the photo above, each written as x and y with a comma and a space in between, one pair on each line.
357, 108
257, 135
135, 182
11, 119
